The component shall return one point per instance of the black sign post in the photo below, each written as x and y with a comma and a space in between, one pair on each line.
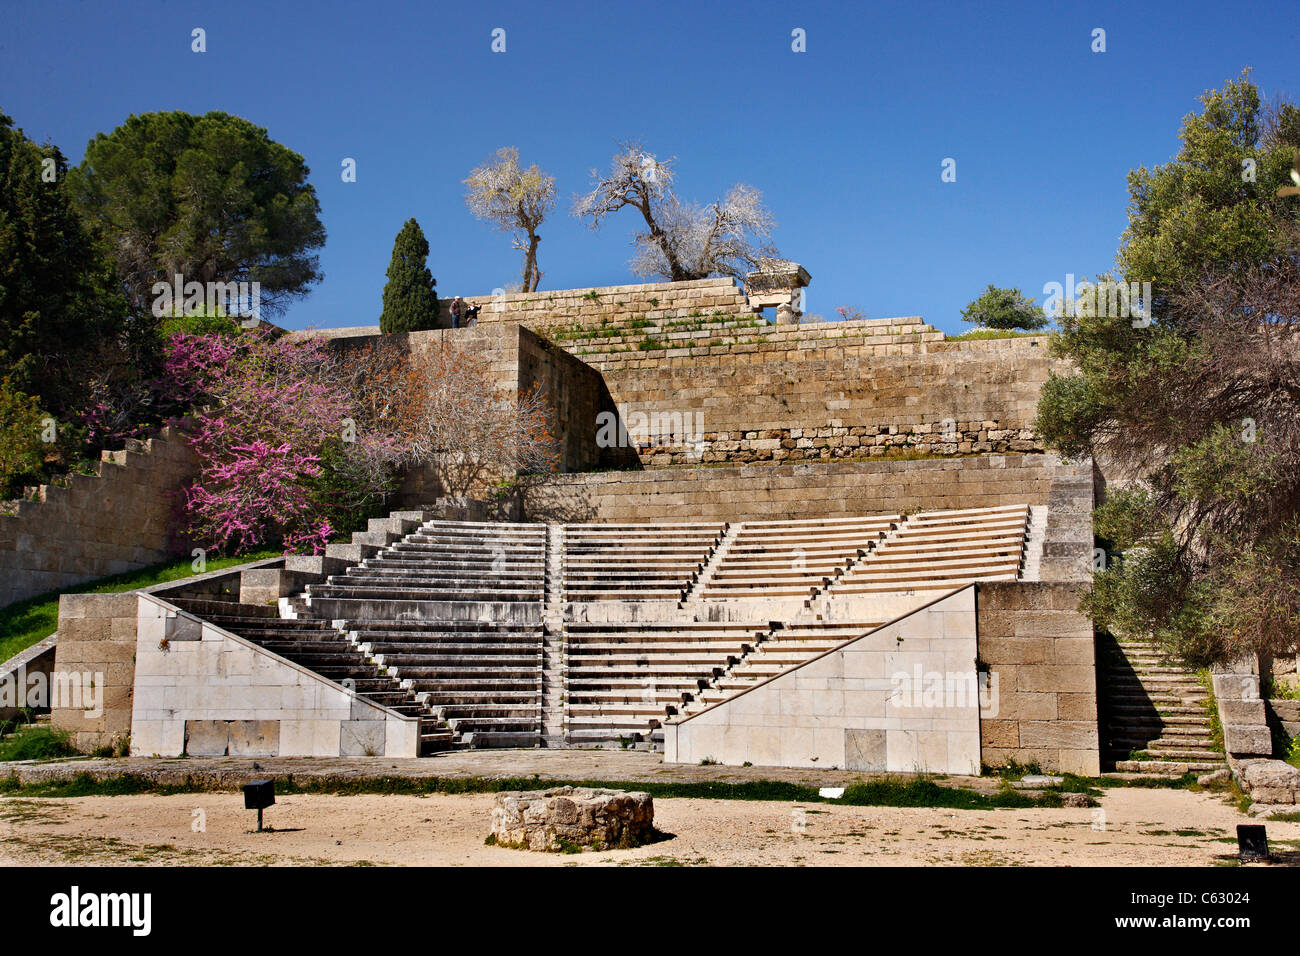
1252, 842
260, 794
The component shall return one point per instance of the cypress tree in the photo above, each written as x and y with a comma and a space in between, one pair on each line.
410, 299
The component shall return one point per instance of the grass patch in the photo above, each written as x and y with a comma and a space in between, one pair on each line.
910, 793
915, 792
1154, 782
36, 743
927, 793
978, 334
1012, 770
30, 621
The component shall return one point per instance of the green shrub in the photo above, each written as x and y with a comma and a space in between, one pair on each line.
36, 743
199, 322
22, 452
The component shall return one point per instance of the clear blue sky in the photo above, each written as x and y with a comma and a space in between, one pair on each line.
845, 140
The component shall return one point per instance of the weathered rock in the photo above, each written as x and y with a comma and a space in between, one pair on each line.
1247, 739
1037, 781
1210, 779
581, 816
1077, 800
1271, 781
1286, 710
1241, 712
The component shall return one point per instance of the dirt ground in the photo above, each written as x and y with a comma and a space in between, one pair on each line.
1137, 827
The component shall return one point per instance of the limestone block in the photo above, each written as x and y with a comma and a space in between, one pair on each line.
1247, 739
1274, 775
1059, 678
1287, 711
254, 738
1236, 686
207, 738
362, 738
1241, 712
1059, 734
547, 819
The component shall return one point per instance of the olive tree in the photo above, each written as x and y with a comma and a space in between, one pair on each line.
681, 240
514, 200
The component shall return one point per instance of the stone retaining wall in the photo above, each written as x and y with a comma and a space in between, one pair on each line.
95, 651
797, 491
120, 520
550, 310
1040, 651
519, 360
822, 403
870, 704
202, 691
95, 656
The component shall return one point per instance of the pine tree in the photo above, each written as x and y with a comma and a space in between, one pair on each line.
410, 299
56, 305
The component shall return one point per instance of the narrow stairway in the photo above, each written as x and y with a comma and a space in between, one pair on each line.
1155, 712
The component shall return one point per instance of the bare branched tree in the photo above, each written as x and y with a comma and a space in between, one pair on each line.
515, 200
456, 420
682, 240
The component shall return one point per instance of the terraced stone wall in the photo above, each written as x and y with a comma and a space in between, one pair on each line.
554, 311
824, 392
121, 519
755, 492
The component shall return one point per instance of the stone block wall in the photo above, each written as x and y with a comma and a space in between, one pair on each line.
812, 399
1243, 714
552, 310
120, 520
94, 662
797, 491
206, 692
1040, 652
904, 698
519, 360
722, 386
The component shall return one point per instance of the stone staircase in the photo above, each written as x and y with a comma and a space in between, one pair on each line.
554, 663
501, 634
700, 581
1155, 717
443, 561
624, 678
453, 611
635, 562
326, 650
1035, 538
779, 649
482, 679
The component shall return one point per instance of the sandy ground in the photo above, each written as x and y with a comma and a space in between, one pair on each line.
1136, 827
